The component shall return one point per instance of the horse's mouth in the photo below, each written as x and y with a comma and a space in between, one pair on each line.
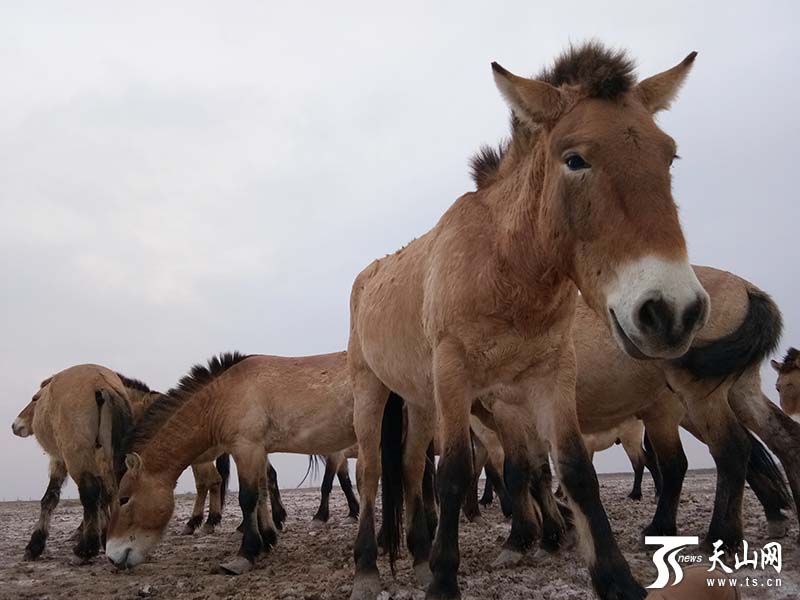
627, 343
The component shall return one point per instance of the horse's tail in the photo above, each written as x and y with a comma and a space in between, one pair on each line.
223, 464
770, 484
114, 425
313, 467
392, 475
755, 339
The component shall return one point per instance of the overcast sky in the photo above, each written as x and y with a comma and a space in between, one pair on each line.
179, 179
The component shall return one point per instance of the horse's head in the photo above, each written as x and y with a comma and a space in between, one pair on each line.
605, 207
23, 424
788, 384
138, 521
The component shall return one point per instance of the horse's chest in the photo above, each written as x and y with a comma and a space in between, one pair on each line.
508, 358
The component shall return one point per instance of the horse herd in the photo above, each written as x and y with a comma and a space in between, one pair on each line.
551, 310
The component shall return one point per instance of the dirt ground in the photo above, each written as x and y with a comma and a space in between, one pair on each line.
316, 564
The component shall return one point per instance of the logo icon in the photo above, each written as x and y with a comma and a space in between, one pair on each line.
665, 557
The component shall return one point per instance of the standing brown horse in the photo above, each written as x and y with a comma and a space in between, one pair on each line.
80, 417
484, 302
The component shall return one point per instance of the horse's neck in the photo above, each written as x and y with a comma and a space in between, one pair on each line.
529, 255
184, 436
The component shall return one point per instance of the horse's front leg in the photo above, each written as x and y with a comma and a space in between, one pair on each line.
455, 465
558, 421
251, 465
323, 512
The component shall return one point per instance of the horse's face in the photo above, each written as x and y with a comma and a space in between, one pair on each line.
138, 521
788, 386
606, 209
23, 424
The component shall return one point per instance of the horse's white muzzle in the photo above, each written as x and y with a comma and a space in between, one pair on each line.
123, 553
19, 428
655, 307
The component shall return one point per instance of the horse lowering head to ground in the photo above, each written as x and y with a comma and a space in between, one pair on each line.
248, 406
79, 417
484, 303
788, 384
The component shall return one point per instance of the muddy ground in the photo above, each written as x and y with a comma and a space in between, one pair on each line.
316, 564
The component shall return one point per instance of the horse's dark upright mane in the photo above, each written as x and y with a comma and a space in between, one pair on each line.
790, 360
159, 411
598, 71
134, 384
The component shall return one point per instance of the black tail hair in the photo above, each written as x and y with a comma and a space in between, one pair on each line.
756, 338
115, 424
223, 464
314, 461
392, 475
770, 484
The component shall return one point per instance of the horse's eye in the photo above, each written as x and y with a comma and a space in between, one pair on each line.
575, 162
124, 500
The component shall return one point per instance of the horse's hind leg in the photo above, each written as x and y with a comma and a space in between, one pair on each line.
343, 475
323, 512
637, 458
278, 510
553, 524
418, 538
92, 493
251, 466
429, 498
663, 432
201, 487
513, 418
214, 500
58, 473
779, 432
266, 526
488, 491
651, 462
730, 447
370, 396
472, 510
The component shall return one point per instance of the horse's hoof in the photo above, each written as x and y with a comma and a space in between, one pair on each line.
351, 519
636, 497
422, 571
236, 566
187, 530
366, 587
207, 529
317, 524
777, 529
507, 558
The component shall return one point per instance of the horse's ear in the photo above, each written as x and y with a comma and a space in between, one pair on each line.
531, 100
133, 462
775, 365
658, 92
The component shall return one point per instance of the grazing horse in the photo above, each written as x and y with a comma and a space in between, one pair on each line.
483, 304
336, 466
79, 416
788, 384
245, 405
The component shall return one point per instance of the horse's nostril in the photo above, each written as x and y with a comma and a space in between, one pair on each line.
655, 317
694, 314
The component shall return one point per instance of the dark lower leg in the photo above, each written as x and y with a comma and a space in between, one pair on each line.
91, 492
553, 524
453, 478
493, 475
251, 538
278, 511
429, 492
730, 452
49, 503
323, 512
638, 472
488, 492
525, 524
673, 465
197, 512
214, 507
651, 462
611, 576
347, 487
